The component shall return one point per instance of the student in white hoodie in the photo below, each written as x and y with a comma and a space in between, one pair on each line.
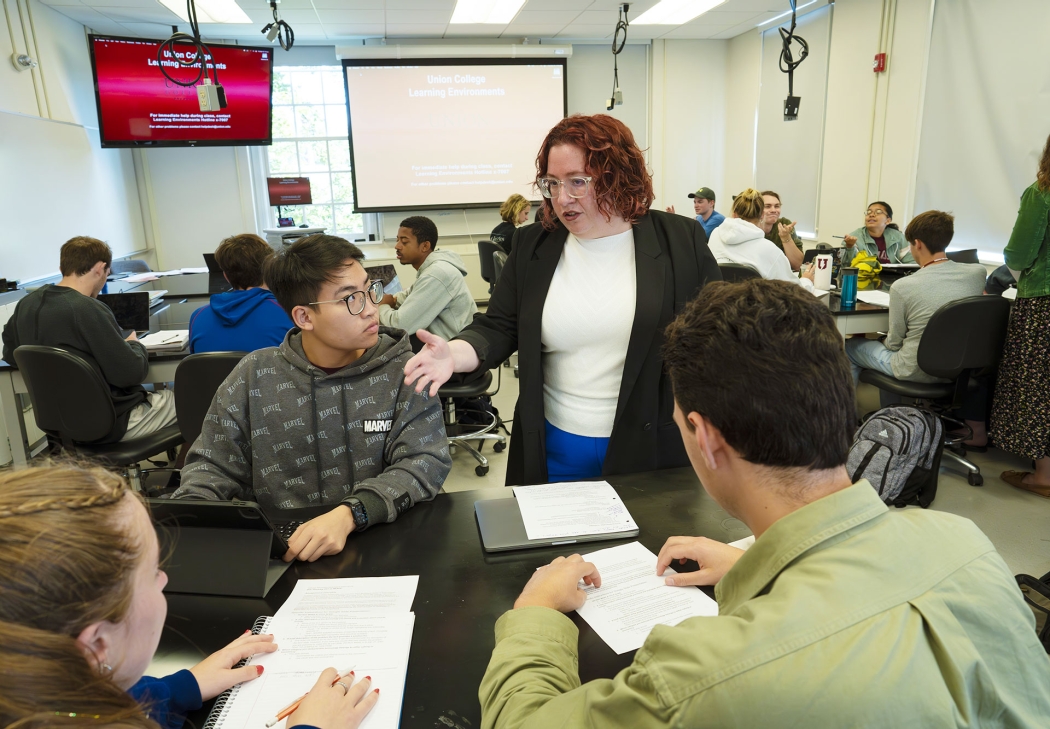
741, 240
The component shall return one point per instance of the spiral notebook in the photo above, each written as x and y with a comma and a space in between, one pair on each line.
364, 624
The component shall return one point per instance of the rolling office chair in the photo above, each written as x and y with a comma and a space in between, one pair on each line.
130, 266
962, 338
196, 379
72, 405
462, 434
735, 272
968, 255
485, 250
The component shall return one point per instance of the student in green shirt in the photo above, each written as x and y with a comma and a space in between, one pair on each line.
842, 613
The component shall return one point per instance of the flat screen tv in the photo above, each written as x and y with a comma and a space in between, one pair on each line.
289, 190
139, 107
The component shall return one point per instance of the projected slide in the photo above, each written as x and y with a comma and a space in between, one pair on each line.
431, 136
138, 106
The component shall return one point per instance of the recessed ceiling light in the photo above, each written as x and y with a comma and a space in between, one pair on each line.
209, 11
498, 12
675, 12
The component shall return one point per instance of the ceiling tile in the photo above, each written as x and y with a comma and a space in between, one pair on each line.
298, 15
149, 4
532, 31
354, 30
62, 3
421, 5
158, 14
695, 32
479, 30
331, 16
415, 30
598, 17
727, 17
418, 16
547, 17
155, 31
586, 31
534, 5
259, 15
83, 14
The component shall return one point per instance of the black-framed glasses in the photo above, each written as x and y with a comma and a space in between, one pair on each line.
355, 302
576, 186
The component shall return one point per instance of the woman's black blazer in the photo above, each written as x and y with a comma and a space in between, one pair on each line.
672, 263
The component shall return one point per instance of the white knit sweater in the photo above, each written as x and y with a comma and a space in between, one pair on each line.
587, 320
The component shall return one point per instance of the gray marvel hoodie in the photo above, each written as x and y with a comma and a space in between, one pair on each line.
284, 433
439, 301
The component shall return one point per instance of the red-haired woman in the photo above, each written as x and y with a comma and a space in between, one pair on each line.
584, 299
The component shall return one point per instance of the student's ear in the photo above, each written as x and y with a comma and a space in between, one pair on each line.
302, 317
99, 269
94, 643
920, 246
709, 440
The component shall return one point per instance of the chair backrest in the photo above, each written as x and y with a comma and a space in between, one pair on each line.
71, 400
196, 379
967, 334
734, 272
130, 266
485, 250
969, 255
498, 259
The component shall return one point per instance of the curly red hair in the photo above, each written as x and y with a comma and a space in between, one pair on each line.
621, 182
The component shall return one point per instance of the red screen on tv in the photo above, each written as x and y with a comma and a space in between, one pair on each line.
289, 190
138, 106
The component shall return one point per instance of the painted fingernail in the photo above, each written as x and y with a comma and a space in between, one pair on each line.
368, 678
258, 670
247, 632
375, 691
351, 673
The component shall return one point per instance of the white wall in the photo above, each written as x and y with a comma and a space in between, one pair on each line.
55, 179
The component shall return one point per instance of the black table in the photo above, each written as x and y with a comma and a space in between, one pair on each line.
462, 590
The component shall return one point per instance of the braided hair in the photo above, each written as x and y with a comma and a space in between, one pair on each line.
66, 562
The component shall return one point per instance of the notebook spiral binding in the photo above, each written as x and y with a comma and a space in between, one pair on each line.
218, 712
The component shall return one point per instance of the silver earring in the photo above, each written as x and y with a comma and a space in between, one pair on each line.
106, 669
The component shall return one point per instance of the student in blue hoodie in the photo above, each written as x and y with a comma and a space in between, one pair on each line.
247, 318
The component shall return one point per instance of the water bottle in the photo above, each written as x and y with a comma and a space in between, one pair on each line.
849, 287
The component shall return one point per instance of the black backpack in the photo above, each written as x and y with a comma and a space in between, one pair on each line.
1036, 594
898, 449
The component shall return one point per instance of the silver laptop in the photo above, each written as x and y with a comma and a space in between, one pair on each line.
502, 529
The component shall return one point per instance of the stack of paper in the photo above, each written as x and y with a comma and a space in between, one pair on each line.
553, 511
194, 269
364, 624
633, 598
139, 277
170, 340
879, 298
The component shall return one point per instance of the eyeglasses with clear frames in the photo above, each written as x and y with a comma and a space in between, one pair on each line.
355, 302
575, 186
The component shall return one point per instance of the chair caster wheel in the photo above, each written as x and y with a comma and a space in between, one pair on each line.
499, 447
481, 470
975, 479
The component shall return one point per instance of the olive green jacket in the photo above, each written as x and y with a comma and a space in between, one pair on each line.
1027, 250
842, 614
773, 236
896, 246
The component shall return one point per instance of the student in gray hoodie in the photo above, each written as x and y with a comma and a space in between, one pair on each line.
439, 301
326, 417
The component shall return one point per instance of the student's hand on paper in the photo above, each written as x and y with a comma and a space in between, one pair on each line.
557, 585
216, 673
433, 365
670, 209
714, 558
321, 536
850, 240
327, 707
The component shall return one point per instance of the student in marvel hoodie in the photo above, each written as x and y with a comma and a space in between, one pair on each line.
326, 417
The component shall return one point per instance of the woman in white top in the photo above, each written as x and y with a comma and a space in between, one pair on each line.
741, 240
584, 299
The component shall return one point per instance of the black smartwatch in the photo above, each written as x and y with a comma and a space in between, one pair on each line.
357, 509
